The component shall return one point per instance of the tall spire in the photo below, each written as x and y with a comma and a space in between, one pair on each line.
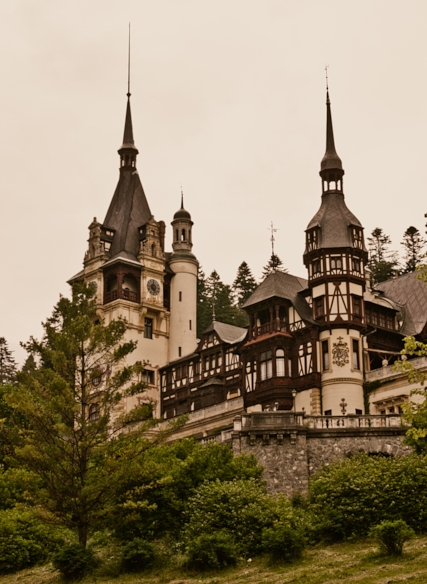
331, 160
128, 150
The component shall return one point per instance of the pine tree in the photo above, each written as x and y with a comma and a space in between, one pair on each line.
216, 303
382, 262
7, 363
274, 264
413, 244
204, 305
244, 284
77, 442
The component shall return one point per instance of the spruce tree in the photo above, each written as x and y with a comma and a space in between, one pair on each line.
413, 244
382, 261
7, 363
274, 264
244, 284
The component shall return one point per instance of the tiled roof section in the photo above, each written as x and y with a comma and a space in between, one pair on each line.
281, 285
228, 333
411, 294
334, 220
127, 212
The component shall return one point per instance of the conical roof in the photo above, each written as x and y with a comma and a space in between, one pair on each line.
331, 160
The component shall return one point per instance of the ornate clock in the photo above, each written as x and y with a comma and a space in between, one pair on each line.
153, 287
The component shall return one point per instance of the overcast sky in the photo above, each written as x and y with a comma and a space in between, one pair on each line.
228, 100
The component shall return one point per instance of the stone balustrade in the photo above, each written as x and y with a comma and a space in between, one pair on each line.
389, 371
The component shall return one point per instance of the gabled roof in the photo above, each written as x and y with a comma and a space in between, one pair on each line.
228, 333
411, 294
282, 285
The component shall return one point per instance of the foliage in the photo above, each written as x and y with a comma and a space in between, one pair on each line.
392, 535
152, 499
240, 507
413, 243
79, 459
274, 264
74, 561
212, 551
24, 540
414, 417
283, 542
138, 555
7, 363
382, 262
350, 496
244, 284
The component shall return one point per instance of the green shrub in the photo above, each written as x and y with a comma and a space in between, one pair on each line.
349, 497
138, 555
283, 543
74, 561
392, 535
212, 551
241, 507
25, 541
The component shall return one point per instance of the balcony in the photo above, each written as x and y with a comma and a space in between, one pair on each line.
389, 371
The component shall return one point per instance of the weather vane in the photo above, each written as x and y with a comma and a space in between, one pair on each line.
327, 81
129, 64
273, 231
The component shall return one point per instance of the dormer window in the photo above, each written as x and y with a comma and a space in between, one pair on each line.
312, 240
357, 238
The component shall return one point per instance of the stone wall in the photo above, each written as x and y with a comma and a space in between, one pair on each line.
291, 449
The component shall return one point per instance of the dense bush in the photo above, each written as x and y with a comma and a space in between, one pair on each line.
25, 541
138, 555
282, 542
153, 497
74, 561
350, 496
212, 551
392, 535
241, 508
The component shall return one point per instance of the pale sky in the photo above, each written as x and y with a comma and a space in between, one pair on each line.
228, 100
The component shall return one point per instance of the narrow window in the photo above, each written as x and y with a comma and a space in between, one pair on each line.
325, 355
189, 324
280, 363
356, 306
179, 351
148, 328
180, 296
319, 307
356, 361
94, 412
266, 363
183, 235
176, 235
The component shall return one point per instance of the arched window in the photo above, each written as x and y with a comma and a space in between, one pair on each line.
183, 235
280, 363
176, 235
153, 250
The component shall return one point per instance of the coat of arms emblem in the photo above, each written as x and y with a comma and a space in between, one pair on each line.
340, 353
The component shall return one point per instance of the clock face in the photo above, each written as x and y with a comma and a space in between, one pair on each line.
153, 287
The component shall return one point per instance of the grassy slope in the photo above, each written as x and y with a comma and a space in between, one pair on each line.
335, 564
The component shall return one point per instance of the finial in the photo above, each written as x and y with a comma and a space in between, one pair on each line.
128, 93
213, 302
182, 198
327, 85
273, 231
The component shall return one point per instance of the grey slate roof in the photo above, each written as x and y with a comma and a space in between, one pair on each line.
334, 219
411, 294
282, 285
228, 333
127, 212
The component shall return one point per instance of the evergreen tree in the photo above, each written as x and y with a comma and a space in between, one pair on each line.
204, 304
274, 264
244, 284
77, 441
382, 262
7, 363
413, 244
216, 302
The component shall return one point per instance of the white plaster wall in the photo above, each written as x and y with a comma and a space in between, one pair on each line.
184, 311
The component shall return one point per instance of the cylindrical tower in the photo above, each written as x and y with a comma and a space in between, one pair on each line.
183, 294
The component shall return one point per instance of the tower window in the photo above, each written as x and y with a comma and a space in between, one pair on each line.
356, 360
189, 325
336, 264
148, 328
183, 235
179, 351
319, 307
180, 296
355, 265
176, 234
316, 267
325, 355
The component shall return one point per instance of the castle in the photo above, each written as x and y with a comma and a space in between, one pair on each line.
312, 345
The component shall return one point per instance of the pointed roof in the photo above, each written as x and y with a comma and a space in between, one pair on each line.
228, 333
331, 160
128, 142
129, 209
